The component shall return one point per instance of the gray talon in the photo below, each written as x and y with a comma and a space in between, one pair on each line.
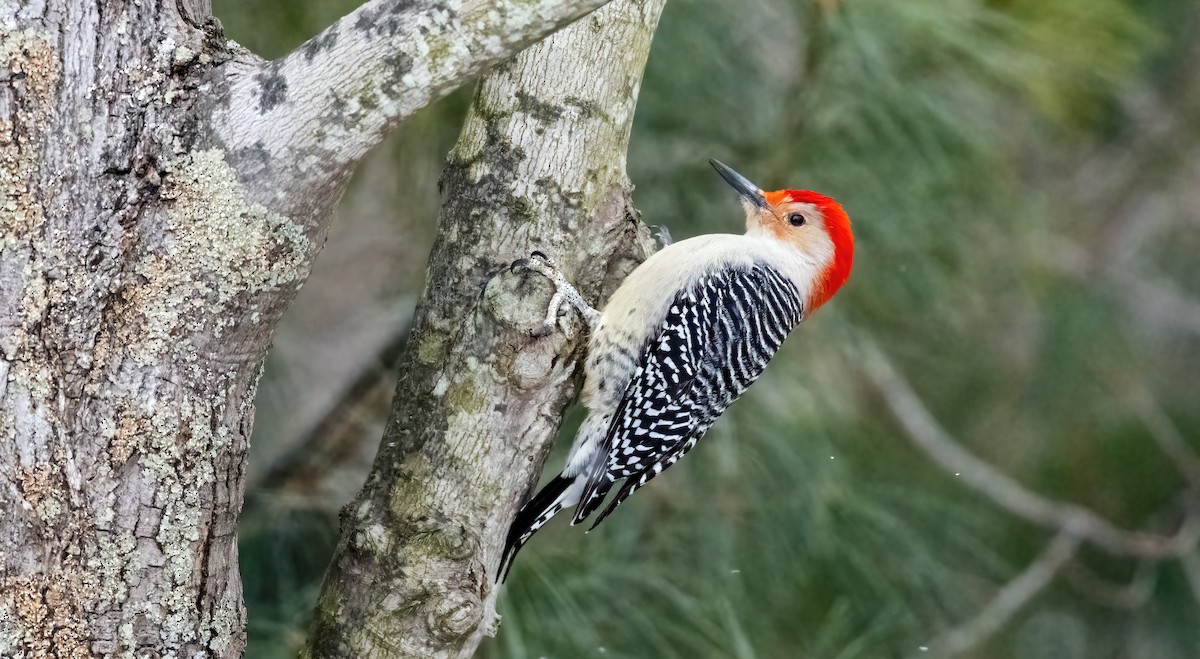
663, 234
564, 292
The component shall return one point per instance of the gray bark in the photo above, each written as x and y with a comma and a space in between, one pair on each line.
540, 164
162, 196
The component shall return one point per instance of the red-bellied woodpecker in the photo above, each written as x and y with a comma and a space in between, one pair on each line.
685, 334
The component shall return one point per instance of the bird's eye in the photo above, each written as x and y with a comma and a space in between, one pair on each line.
796, 219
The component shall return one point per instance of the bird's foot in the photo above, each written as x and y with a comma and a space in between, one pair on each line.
563, 292
663, 234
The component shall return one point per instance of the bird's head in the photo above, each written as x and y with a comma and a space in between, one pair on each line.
816, 226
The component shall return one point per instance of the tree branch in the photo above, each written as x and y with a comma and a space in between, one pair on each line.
540, 164
1168, 437
1159, 302
1011, 598
1191, 569
1156, 303
928, 436
309, 117
1129, 596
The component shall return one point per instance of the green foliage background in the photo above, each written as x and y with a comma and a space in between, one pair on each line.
1023, 180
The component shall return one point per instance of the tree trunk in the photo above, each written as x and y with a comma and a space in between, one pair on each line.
128, 359
540, 165
162, 196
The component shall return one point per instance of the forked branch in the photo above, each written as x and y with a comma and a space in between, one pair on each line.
928, 436
1073, 524
319, 109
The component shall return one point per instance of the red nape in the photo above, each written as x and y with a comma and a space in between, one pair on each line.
837, 225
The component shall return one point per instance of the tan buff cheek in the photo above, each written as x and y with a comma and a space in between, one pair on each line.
804, 240
768, 223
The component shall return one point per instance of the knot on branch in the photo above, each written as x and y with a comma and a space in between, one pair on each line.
518, 300
457, 614
450, 539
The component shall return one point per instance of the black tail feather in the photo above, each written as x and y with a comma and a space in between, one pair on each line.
527, 521
627, 489
592, 497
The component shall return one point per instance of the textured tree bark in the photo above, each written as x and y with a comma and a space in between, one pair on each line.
162, 196
540, 164
127, 363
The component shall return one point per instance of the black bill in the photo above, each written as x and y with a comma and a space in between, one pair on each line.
748, 190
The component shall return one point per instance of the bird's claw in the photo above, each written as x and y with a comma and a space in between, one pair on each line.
564, 293
537, 261
544, 265
663, 234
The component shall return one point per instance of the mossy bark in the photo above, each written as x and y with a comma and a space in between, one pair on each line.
540, 164
146, 254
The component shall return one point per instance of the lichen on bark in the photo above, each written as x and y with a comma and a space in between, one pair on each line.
31, 60
220, 250
121, 467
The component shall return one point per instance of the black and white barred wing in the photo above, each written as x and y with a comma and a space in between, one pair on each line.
715, 341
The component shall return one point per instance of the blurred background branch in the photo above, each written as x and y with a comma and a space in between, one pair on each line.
1010, 599
1167, 435
1078, 522
326, 444
1133, 595
1073, 524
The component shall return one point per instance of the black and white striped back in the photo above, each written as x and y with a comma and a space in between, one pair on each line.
716, 339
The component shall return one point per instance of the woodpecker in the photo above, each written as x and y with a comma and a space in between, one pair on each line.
682, 337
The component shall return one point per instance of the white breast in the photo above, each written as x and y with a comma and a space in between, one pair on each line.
640, 304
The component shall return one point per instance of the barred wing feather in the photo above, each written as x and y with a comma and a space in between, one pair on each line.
716, 339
